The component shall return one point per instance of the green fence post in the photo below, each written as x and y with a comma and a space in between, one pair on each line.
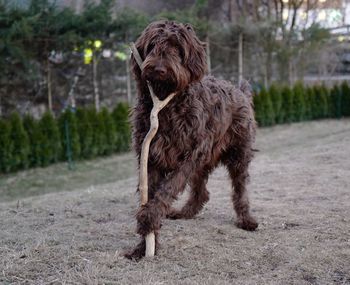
68, 146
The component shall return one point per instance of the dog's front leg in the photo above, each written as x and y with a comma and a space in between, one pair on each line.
150, 215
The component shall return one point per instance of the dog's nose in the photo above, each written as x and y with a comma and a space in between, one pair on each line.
160, 70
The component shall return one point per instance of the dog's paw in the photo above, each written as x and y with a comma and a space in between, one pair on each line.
134, 254
247, 223
174, 215
137, 253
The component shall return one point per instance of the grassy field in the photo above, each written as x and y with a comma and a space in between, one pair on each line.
299, 191
58, 177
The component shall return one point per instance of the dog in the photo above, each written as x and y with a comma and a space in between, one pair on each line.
208, 122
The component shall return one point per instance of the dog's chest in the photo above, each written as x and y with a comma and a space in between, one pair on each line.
182, 130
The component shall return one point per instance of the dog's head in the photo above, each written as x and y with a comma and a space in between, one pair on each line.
173, 57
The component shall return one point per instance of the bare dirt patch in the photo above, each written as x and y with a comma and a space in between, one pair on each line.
300, 193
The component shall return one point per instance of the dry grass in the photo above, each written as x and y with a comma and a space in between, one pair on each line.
300, 193
58, 177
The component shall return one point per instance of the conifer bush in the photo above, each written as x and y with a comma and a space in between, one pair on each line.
101, 134
259, 112
42, 142
264, 109
316, 110
110, 131
120, 115
334, 102
308, 94
276, 99
287, 105
86, 135
6, 147
21, 149
298, 102
52, 146
345, 99
36, 140
316, 113
99, 140
269, 119
325, 101
320, 102
93, 121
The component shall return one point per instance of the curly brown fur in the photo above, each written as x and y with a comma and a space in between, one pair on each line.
208, 122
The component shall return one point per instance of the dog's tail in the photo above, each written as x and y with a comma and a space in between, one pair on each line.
246, 88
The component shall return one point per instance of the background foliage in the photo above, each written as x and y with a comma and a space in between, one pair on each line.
86, 134
83, 134
43, 54
43, 47
300, 103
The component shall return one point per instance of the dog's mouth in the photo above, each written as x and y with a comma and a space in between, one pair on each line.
163, 88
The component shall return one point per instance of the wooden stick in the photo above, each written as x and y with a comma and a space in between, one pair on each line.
143, 178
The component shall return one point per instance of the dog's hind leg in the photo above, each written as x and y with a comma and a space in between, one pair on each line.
237, 162
199, 195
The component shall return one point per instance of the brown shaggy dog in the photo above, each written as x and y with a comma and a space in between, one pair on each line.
208, 122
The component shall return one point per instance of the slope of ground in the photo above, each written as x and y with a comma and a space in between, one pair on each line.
299, 191
58, 177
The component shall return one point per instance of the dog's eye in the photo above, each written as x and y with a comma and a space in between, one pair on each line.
176, 51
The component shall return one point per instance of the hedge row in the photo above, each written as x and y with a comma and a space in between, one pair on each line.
279, 105
84, 134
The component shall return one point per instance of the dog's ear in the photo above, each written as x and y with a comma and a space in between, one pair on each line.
195, 55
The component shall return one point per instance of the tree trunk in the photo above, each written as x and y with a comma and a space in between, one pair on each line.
208, 54
128, 81
290, 72
268, 67
78, 6
95, 83
49, 90
0, 105
266, 82
240, 57
71, 94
